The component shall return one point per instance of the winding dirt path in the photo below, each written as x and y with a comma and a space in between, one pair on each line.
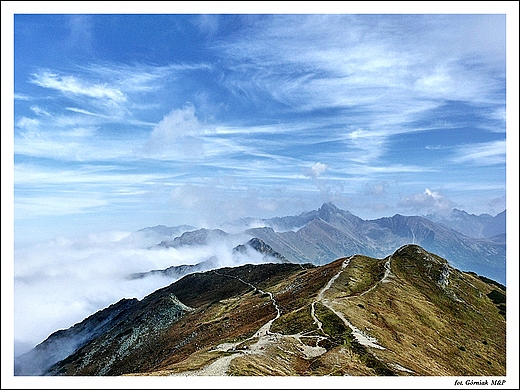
265, 329
387, 274
319, 298
265, 337
361, 337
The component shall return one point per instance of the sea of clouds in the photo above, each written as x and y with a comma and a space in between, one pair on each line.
60, 282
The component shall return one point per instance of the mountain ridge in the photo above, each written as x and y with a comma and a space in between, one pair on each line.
477, 226
329, 232
410, 313
253, 245
336, 232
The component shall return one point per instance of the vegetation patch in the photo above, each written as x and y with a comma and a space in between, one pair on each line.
491, 281
299, 321
340, 334
333, 326
499, 300
497, 297
361, 274
310, 341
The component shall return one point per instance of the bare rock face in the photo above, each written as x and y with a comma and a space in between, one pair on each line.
261, 247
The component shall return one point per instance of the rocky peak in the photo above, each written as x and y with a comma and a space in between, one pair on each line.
326, 210
261, 247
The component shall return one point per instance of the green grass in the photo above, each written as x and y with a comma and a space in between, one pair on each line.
361, 274
294, 322
340, 334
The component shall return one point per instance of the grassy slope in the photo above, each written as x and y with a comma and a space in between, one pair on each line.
426, 328
430, 330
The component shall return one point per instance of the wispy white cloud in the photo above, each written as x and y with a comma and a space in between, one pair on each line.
434, 147
28, 123
37, 144
30, 174
82, 111
75, 86
39, 111
65, 204
280, 128
427, 202
138, 80
87, 188
50, 195
103, 119
110, 92
366, 147
348, 61
141, 76
103, 98
376, 188
367, 170
489, 153
23, 97
71, 139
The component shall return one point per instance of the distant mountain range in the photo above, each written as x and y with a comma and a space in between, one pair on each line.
289, 259
167, 231
471, 225
199, 237
321, 236
408, 314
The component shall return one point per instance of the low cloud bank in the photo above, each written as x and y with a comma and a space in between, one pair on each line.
59, 282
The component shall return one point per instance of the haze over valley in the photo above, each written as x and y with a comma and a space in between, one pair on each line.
98, 270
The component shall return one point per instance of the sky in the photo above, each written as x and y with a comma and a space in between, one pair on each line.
127, 121
123, 121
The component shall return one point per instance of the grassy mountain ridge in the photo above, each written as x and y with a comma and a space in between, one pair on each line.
331, 232
410, 313
321, 236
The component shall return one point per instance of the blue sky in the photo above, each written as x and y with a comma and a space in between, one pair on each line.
127, 121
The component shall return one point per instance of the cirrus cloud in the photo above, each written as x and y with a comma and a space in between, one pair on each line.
74, 85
